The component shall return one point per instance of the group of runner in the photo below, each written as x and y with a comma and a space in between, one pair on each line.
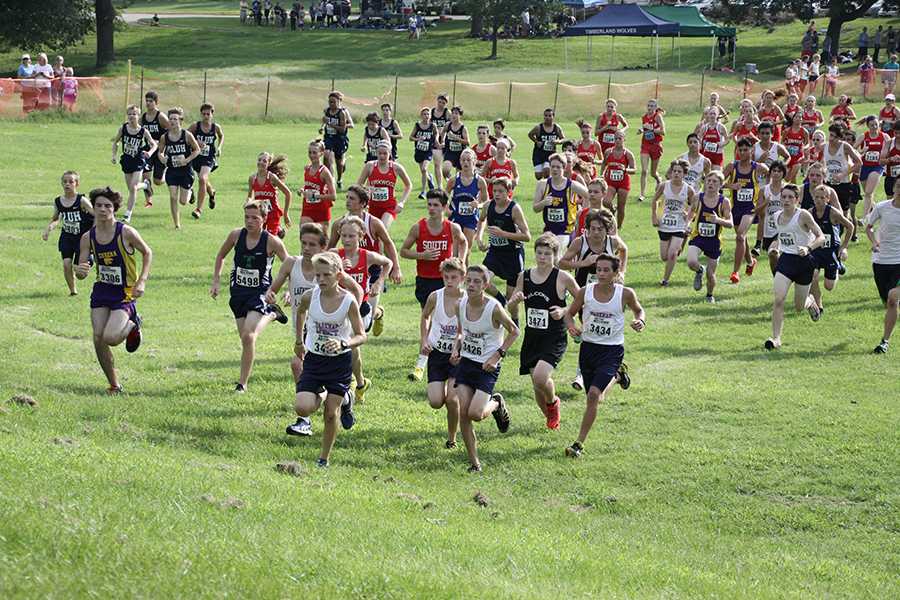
467, 326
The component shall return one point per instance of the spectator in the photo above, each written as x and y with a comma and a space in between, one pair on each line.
731, 42
257, 12
723, 48
863, 44
526, 23
267, 8
294, 18
26, 69
806, 44
329, 13
313, 14
154, 22
43, 76
889, 74
244, 12
877, 41
891, 37
70, 89
866, 72
413, 27
301, 16
420, 24
278, 16
832, 72
56, 87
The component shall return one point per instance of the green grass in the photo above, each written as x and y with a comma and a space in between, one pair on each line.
723, 472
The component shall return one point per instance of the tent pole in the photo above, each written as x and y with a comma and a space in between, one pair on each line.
566, 50
657, 67
673, 49
712, 54
679, 49
734, 55
612, 52
590, 49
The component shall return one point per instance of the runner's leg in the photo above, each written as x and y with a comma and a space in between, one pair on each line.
249, 329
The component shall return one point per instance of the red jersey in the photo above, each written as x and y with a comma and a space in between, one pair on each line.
582, 217
615, 175
368, 241
482, 156
607, 139
381, 190
442, 242
314, 186
888, 116
810, 120
893, 168
770, 115
496, 170
710, 145
649, 138
840, 110
589, 154
360, 271
793, 141
872, 147
790, 111
815, 154
265, 194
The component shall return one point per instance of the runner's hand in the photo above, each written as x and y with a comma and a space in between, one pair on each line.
637, 325
396, 276
299, 349
82, 270
270, 297
454, 357
138, 290
574, 330
490, 365
426, 349
213, 289
287, 221
431, 254
45, 234
515, 298
557, 312
286, 298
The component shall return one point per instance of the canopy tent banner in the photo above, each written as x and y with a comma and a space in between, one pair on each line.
584, 3
692, 21
624, 19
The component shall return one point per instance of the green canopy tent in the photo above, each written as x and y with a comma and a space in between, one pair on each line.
693, 24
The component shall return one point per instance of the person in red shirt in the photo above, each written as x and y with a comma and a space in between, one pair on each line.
770, 112
501, 165
843, 112
484, 149
271, 172
380, 177
713, 137
318, 188
589, 150
653, 130
796, 140
618, 166
608, 124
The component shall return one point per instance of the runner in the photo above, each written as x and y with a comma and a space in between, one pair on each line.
835, 226
889, 115
137, 146
210, 139
849, 136
871, 147
500, 134
601, 307
557, 199
746, 126
890, 158
391, 126
440, 116
811, 117
484, 149
479, 348
318, 189
435, 239
769, 204
672, 221
596, 203
507, 232
543, 289
455, 139
156, 124
652, 132
335, 123
791, 108
77, 217
767, 150
608, 124
843, 113
815, 178
254, 248
380, 177
425, 137
300, 274
714, 103
840, 161
177, 149
333, 331
618, 167
698, 164
588, 150
546, 136
886, 258
438, 331
501, 165
114, 317
713, 137
373, 135
744, 177
771, 113
468, 192
712, 213
271, 173
816, 151
798, 237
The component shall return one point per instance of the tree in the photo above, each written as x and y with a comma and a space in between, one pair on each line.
496, 13
55, 24
844, 11
106, 24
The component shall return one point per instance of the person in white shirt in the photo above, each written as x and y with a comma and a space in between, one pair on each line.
886, 259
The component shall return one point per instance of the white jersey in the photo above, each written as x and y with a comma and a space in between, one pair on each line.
888, 233
604, 322
299, 283
480, 338
442, 331
774, 205
694, 175
836, 163
672, 218
322, 326
764, 156
791, 235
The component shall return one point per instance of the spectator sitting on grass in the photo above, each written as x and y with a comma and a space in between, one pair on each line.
154, 22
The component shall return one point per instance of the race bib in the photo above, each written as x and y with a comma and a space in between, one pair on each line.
71, 227
549, 146
466, 208
609, 138
827, 243
473, 345
793, 150
895, 170
380, 194
329, 130
835, 169
496, 240
455, 147
649, 135
706, 229
246, 277
745, 195
556, 215
312, 196
600, 327
616, 174
204, 150
444, 344
786, 239
872, 156
110, 275
770, 224
669, 221
711, 147
537, 318
319, 345
423, 146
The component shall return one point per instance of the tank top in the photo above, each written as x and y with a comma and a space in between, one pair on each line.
887, 118
831, 231
546, 141
809, 121
360, 271
465, 198
482, 156
496, 170
503, 220
425, 138
381, 186
252, 271
793, 141
603, 322
440, 121
372, 141
770, 115
791, 110
608, 138
694, 175
393, 129
703, 226
711, 144
791, 235
152, 126
587, 275
264, 192
773, 206
840, 110
872, 147
442, 242
539, 298
314, 185
132, 143
116, 272
177, 148
672, 218
588, 154
893, 169
442, 329
559, 217
299, 283
207, 141
480, 340
332, 121
74, 221
649, 137
322, 326
615, 168
835, 164
748, 191
767, 157
368, 241
454, 145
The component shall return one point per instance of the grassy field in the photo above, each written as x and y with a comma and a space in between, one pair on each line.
724, 471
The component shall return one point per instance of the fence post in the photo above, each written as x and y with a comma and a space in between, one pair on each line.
609, 86
556, 94
509, 102
141, 99
127, 83
746, 75
702, 84
204, 86
332, 84
453, 93
396, 82
268, 85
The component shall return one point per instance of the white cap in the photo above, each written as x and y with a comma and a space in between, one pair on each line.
24, 56
890, 97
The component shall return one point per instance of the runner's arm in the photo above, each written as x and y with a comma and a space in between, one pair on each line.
359, 336
276, 181
229, 243
54, 221
195, 148
134, 239
390, 249
284, 274
631, 301
84, 253
460, 243
425, 322
407, 184
406, 249
151, 144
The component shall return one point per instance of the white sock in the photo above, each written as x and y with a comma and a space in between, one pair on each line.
346, 399
421, 361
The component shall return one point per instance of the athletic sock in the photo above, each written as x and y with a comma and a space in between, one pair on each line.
421, 361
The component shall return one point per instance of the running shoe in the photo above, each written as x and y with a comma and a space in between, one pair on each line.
450, 444
114, 390
501, 414
191, 196
212, 199
133, 341
710, 299
239, 388
126, 218
301, 427
378, 322
622, 375
416, 374
854, 238
279, 314
735, 278
553, 415
340, 185
814, 313
640, 198
421, 195
750, 267
770, 344
881, 348
664, 283
575, 450
842, 269
347, 417
196, 213
698, 279
430, 182
754, 252
474, 469
321, 463
578, 383
362, 389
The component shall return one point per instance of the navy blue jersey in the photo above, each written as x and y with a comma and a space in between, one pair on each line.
456, 145
132, 143
209, 139
372, 140
252, 272
832, 232
425, 138
74, 220
152, 126
503, 220
332, 122
440, 121
177, 148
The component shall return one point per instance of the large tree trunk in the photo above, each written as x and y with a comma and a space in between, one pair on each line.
834, 34
106, 17
838, 14
495, 29
476, 25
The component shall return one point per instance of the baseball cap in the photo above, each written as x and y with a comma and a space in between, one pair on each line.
890, 97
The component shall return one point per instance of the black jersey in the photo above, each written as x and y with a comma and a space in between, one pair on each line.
440, 121
393, 129
539, 298
546, 141
456, 145
252, 272
132, 143
832, 232
425, 138
586, 275
153, 127
332, 122
207, 141
372, 142
74, 220
503, 220
806, 201
177, 148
